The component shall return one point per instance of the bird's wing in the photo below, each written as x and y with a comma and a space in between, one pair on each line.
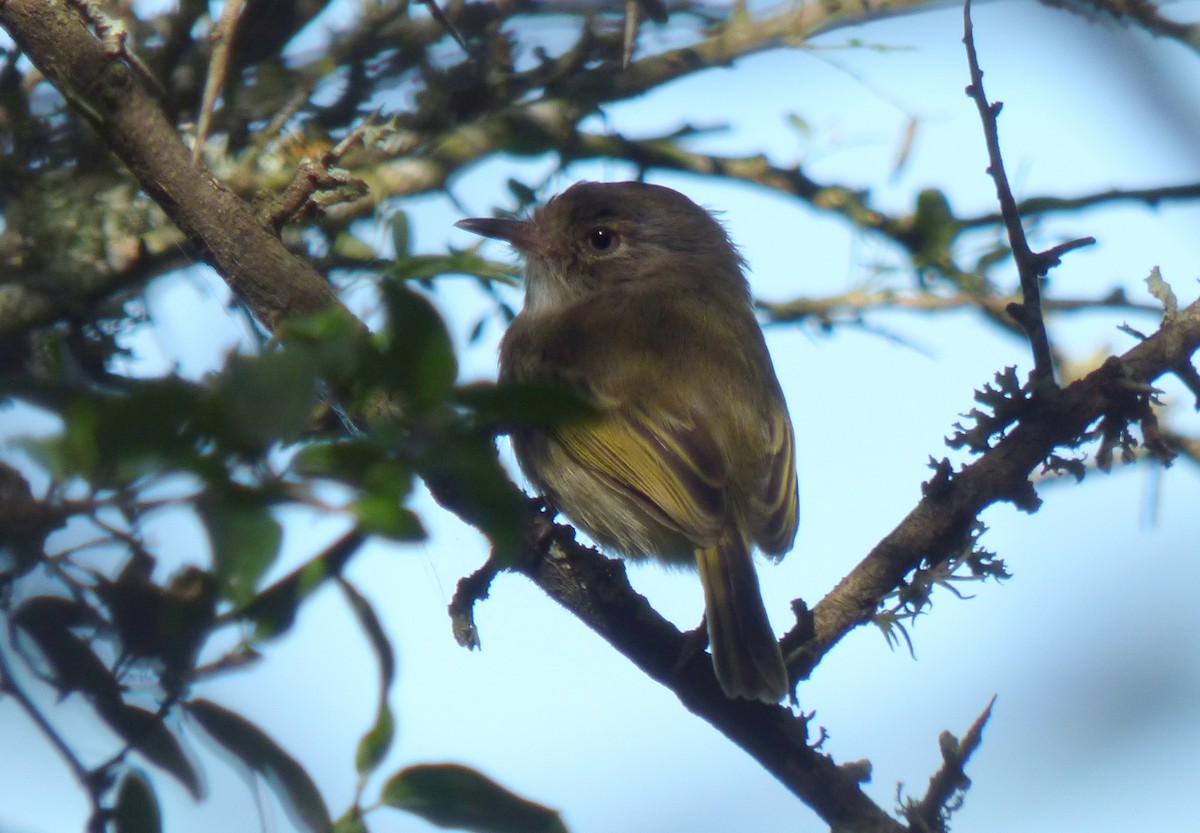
777, 509
668, 465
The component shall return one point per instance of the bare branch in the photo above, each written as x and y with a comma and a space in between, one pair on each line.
1030, 266
1144, 13
856, 302
9, 685
931, 813
1036, 206
936, 527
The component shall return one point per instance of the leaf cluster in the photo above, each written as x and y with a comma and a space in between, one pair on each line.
268, 432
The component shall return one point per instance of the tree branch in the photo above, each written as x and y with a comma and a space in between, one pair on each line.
272, 281
93, 786
595, 589
856, 302
937, 526
931, 814
1030, 267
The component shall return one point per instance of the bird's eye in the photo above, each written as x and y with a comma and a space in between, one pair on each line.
602, 239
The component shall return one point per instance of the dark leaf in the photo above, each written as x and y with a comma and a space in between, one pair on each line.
274, 609
464, 470
375, 743
364, 612
245, 539
417, 358
257, 401
136, 810
145, 732
401, 243
455, 796
503, 407
254, 748
524, 194
75, 667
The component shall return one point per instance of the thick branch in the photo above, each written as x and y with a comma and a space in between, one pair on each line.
595, 589
1144, 13
936, 527
254, 262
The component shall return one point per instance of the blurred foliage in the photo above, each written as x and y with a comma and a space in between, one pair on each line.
236, 449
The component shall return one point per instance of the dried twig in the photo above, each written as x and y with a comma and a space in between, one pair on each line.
931, 813
1031, 266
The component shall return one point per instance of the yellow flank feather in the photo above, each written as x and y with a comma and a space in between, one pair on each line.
653, 460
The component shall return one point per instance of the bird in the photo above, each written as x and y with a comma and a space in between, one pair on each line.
637, 301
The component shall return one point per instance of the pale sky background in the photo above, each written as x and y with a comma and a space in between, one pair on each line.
1092, 647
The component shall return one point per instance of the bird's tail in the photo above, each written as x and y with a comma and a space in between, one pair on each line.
745, 652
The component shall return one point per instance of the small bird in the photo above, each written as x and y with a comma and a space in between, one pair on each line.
635, 299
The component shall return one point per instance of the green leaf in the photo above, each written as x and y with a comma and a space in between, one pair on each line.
417, 358
800, 125
375, 743
356, 462
257, 401
934, 228
503, 407
253, 747
145, 732
401, 243
351, 822
333, 338
464, 464
381, 514
423, 267
455, 796
348, 246
136, 810
245, 539
274, 609
117, 438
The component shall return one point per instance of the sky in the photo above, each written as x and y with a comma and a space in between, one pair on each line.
1091, 649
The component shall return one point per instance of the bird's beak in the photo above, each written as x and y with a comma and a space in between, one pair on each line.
523, 235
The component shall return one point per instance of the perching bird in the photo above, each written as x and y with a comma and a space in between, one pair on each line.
635, 298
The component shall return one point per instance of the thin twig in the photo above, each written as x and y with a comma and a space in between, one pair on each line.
435, 11
218, 69
312, 176
1037, 206
8, 685
950, 781
1030, 266
857, 302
